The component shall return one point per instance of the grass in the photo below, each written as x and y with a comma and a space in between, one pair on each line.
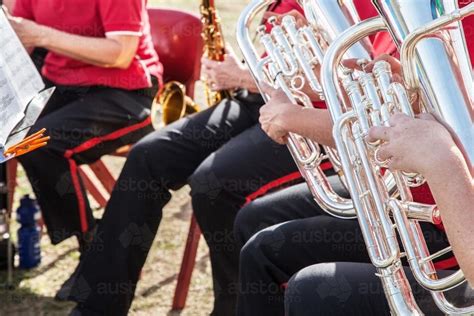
35, 289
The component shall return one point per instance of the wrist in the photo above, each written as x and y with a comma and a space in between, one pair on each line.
44, 36
288, 117
245, 78
446, 157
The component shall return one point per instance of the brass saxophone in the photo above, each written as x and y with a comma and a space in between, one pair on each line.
214, 46
172, 103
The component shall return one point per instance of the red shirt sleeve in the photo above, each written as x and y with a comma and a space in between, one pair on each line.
122, 15
468, 25
24, 9
286, 6
365, 8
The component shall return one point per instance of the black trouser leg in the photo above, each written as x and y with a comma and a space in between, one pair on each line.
354, 289
295, 202
162, 161
220, 186
273, 255
83, 126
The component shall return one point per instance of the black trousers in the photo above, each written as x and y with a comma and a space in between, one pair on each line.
225, 157
84, 123
305, 236
346, 288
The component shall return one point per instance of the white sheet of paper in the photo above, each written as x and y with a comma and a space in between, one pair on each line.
20, 82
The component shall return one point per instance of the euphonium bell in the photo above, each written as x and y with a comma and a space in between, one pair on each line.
171, 104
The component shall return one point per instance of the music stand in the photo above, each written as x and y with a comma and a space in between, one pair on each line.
33, 111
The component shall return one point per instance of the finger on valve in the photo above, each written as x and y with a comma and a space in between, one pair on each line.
378, 133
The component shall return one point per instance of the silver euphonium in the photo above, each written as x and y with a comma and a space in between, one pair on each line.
437, 68
292, 57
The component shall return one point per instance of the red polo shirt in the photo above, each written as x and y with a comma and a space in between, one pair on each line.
96, 18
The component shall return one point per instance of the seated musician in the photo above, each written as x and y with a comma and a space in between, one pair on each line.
272, 256
349, 288
102, 61
226, 158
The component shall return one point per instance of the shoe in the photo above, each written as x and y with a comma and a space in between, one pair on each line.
80, 310
77, 311
64, 291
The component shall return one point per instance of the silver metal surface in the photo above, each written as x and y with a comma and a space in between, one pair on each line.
373, 100
441, 59
292, 57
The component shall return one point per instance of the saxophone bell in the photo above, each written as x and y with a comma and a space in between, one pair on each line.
171, 104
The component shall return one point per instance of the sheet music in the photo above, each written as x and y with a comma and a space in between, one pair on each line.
20, 82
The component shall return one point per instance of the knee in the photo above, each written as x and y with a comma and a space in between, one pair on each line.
260, 248
246, 224
139, 150
206, 188
144, 154
301, 294
250, 254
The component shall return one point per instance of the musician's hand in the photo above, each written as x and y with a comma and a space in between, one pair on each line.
225, 75
275, 113
30, 33
412, 145
300, 18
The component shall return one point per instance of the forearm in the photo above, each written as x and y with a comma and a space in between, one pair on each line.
453, 188
102, 52
247, 81
315, 124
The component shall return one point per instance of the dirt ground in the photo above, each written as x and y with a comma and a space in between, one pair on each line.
35, 289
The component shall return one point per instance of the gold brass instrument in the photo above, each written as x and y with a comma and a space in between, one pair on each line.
437, 68
292, 58
214, 47
171, 103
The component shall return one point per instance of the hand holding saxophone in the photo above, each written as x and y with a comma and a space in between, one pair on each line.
227, 74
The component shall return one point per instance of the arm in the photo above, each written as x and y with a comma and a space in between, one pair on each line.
9, 4
279, 117
453, 189
426, 147
113, 51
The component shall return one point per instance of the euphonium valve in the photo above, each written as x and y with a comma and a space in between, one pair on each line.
291, 63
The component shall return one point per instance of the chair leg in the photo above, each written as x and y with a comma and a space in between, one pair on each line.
187, 266
92, 189
104, 175
12, 168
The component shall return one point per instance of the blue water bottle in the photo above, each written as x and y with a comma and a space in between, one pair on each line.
29, 233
